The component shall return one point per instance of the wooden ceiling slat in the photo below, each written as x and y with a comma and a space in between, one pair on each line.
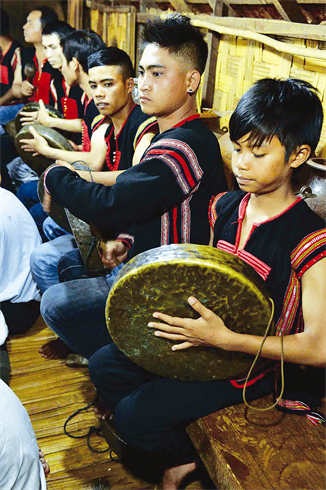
290, 10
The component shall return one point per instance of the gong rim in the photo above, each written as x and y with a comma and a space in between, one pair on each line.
39, 163
128, 326
34, 106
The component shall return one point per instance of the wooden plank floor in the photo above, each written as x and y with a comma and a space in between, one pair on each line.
50, 392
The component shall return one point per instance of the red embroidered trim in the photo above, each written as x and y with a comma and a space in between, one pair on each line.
190, 118
306, 246
184, 148
86, 143
175, 231
211, 209
312, 262
236, 382
260, 267
4, 78
165, 227
290, 306
180, 160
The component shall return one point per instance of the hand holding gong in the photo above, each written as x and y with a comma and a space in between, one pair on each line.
209, 329
38, 145
41, 116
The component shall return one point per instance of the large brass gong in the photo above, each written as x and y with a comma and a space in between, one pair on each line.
33, 107
39, 163
162, 279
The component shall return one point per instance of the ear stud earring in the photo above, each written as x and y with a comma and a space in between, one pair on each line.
190, 91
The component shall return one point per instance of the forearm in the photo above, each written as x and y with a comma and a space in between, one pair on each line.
105, 178
72, 125
71, 156
17, 91
300, 348
137, 196
7, 97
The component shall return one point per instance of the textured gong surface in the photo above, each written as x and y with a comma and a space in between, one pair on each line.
39, 163
32, 107
86, 244
11, 129
162, 279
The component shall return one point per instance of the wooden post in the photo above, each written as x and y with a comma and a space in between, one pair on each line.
212, 42
75, 13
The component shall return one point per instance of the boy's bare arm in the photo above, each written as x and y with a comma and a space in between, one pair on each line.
308, 347
95, 159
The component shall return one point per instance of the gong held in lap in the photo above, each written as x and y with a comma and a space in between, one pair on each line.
161, 280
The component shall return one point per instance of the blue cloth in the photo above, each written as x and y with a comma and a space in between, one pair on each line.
9, 112
52, 230
44, 260
75, 311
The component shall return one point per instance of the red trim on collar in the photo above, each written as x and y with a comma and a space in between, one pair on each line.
244, 203
190, 118
117, 136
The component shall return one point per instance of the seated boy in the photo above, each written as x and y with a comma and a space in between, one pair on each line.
275, 128
165, 197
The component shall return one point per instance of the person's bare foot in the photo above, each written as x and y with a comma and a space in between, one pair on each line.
46, 466
172, 477
55, 349
102, 410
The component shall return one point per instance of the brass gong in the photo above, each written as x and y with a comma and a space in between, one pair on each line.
32, 107
162, 279
39, 163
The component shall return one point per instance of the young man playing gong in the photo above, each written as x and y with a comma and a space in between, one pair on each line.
162, 200
274, 129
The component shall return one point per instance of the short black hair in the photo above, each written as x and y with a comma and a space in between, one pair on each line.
59, 27
176, 34
289, 109
4, 23
48, 15
80, 44
112, 56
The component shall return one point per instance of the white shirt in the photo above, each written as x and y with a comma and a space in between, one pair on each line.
18, 238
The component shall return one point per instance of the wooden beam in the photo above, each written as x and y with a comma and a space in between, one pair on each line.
101, 7
290, 10
213, 40
180, 5
271, 27
268, 41
262, 26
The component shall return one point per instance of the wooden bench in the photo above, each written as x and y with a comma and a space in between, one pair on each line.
244, 449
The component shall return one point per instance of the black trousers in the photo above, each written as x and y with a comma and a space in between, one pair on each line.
20, 317
151, 413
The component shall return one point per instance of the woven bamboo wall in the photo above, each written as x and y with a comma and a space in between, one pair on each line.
241, 62
117, 28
